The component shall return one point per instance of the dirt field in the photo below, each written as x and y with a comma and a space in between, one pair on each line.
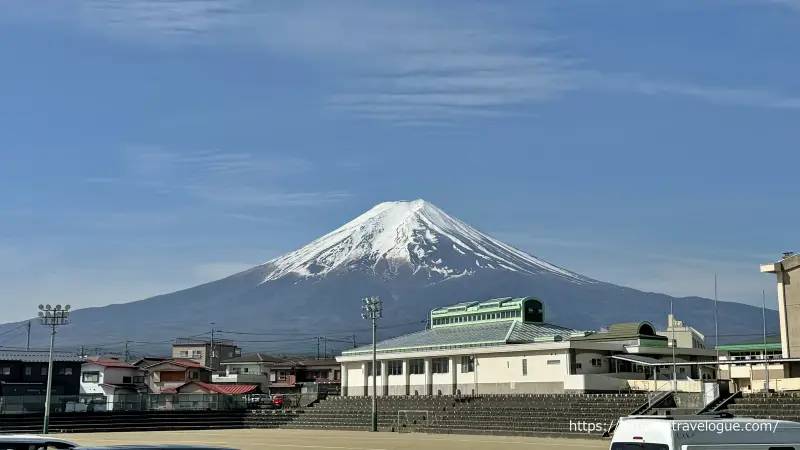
333, 440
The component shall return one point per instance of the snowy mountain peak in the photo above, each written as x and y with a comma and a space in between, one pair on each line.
415, 235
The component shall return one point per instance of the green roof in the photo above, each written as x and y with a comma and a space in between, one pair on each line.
623, 331
773, 343
470, 335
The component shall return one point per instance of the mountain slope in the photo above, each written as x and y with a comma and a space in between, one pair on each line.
413, 235
414, 256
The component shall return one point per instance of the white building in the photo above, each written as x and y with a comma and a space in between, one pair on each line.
505, 346
113, 380
683, 335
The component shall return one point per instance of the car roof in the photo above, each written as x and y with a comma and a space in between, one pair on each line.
32, 438
152, 447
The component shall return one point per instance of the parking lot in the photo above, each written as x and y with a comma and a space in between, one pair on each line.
332, 440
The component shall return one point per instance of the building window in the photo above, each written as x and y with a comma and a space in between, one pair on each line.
337, 374
65, 371
553, 362
467, 364
440, 365
416, 367
126, 380
597, 362
28, 370
183, 354
281, 375
395, 367
137, 380
193, 375
578, 365
196, 354
524, 366
91, 377
5, 371
246, 370
43, 372
369, 369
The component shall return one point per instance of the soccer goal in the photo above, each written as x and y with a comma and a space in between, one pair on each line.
411, 420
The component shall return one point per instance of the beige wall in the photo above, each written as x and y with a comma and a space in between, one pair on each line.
788, 284
494, 373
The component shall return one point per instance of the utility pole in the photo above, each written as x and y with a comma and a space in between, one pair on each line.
317, 346
716, 330
28, 346
127, 353
354, 341
373, 307
325, 347
213, 352
764, 318
51, 318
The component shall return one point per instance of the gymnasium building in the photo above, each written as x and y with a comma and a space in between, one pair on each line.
505, 345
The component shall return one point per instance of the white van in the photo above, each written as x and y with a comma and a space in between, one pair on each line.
698, 433
33, 442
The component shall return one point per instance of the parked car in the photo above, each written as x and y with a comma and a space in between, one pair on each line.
277, 401
33, 442
153, 447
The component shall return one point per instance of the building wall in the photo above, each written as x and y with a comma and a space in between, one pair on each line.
66, 377
790, 283
499, 373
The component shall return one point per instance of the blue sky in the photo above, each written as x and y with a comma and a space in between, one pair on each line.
150, 146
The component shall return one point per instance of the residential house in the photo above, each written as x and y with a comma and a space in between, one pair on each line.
249, 369
198, 387
201, 352
25, 373
171, 374
115, 383
292, 376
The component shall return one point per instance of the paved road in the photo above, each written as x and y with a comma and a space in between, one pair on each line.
333, 440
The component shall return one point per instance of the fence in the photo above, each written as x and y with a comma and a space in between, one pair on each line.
34, 404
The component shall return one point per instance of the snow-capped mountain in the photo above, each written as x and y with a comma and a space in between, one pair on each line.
414, 235
411, 254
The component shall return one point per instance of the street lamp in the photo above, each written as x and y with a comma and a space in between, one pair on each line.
373, 306
52, 317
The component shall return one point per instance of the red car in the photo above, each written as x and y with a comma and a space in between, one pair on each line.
277, 401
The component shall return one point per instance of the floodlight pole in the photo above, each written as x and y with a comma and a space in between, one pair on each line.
52, 318
373, 307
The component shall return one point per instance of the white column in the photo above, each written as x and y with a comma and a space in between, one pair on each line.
428, 377
343, 380
365, 375
406, 378
384, 377
453, 376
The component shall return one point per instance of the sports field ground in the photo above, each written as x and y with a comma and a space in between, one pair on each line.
333, 440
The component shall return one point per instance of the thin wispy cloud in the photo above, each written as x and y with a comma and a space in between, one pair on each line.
225, 178
408, 63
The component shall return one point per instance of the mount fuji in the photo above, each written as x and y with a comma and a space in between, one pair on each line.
415, 257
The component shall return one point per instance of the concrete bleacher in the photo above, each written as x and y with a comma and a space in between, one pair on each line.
773, 405
499, 414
